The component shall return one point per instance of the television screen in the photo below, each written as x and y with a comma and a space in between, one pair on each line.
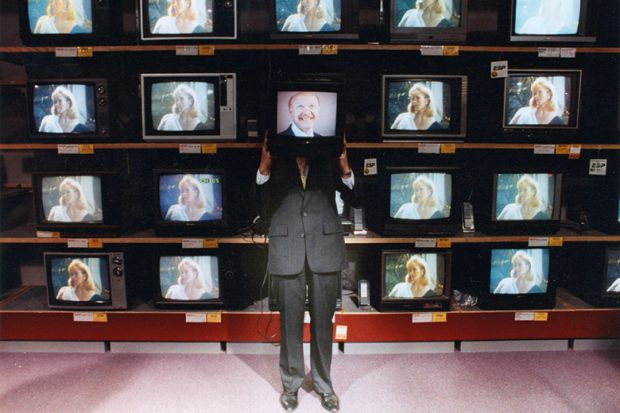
188, 106
424, 106
542, 99
188, 20
190, 197
552, 20
519, 271
428, 20
189, 278
612, 273
72, 199
86, 280
320, 19
307, 113
420, 196
526, 196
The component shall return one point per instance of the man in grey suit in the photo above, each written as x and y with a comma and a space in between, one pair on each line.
306, 247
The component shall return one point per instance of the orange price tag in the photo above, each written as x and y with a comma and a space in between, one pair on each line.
444, 242
562, 149
541, 316
87, 149
450, 50
329, 49
215, 317
100, 317
556, 241
95, 243
448, 148
206, 50
85, 52
210, 243
209, 148
440, 317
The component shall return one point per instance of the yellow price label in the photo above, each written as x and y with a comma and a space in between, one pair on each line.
214, 317
562, 149
329, 49
541, 316
210, 243
440, 317
208, 148
100, 317
95, 243
450, 50
86, 149
206, 50
556, 241
85, 52
448, 148
444, 242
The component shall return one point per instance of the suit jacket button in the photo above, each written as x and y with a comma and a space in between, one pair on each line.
305, 214
302, 235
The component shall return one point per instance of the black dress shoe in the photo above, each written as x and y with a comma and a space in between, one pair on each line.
289, 401
330, 402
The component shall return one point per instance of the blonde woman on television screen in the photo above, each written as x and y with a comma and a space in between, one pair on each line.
421, 112
81, 286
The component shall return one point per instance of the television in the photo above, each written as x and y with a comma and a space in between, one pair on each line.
190, 201
447, 21
439, 101
513, 278
415, 279
86, 280
307, 117
68, 22
183, 21
553, 21
68, 110
189, 106
417, 201
324, 20
597, 201
527, 201
540, 101
187, 280
79, 203
594, 274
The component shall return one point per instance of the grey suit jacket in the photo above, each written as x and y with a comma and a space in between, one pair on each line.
304, 223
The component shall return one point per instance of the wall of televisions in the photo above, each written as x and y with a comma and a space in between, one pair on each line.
484, 137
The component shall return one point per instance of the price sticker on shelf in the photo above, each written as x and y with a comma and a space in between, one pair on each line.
95, 243
541, 316
209, 148
186, 50
451, 50
90, 317
448, 148
370, 166
68, 149
422, 318
214, 317
444, 242
574, 152
425, 243
598, 167
195, 318
429, 50
548, 52
86, 149
84, 51
538, 242
440, 317
341, 332
329, 49
429, 147
205, 50
190, 148
48, 234
556, 241
544, 149
77, 243
66, 52
562, 149
568, 52
310, 49
191, 243
531, 316
210, 243
499, 69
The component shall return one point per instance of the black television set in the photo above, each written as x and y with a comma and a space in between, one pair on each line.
540, 101
68, 110
524, 201
68, 22
190, 201
594, 274
86, 280
417, 201
183, 21
415, 279
189, 106
563, 21
79, 203
424, 21
323, 20
424, 107
595, 203
307, 117
187, 280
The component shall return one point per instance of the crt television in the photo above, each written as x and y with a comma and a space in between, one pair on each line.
190, 201
182, 20
68, 110
424, 107
418, 21
190, 106
417, 201
553, 21
187, 280
542, 100
68, 22
601, 288
86, 281
415, 279
321, 20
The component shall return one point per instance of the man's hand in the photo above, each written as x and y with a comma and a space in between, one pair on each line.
343, 162
264, 168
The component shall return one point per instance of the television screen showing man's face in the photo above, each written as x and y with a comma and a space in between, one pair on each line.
307, 113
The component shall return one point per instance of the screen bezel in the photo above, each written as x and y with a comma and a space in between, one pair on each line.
427, 34
225, 31
585, 32
458, 105
220, 83
162, 302
575, 77
440, 302
603, 286
101, 103
217, 227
